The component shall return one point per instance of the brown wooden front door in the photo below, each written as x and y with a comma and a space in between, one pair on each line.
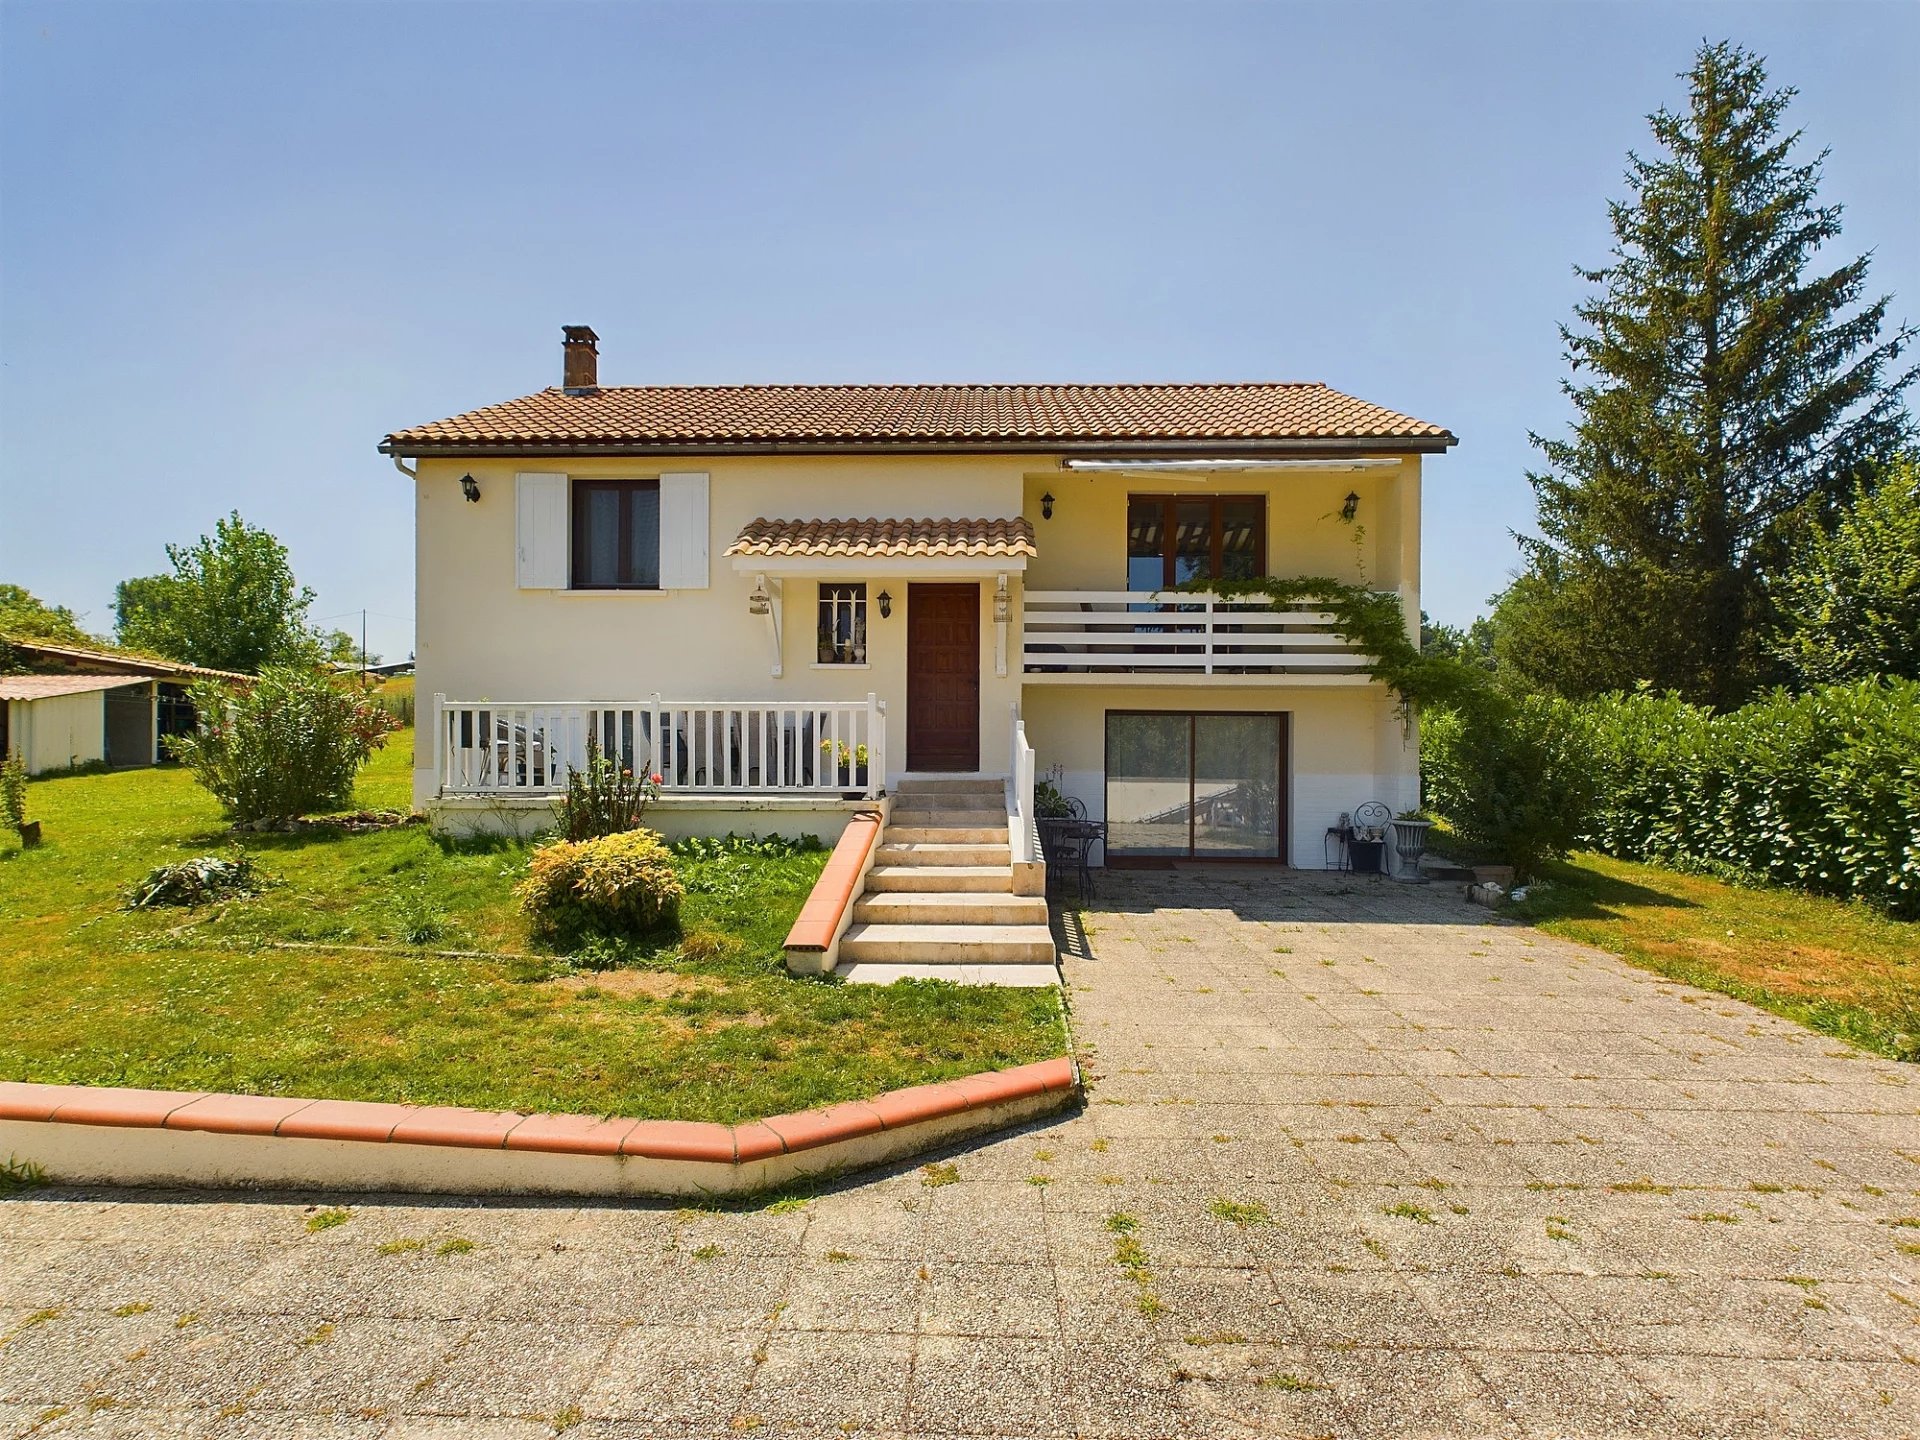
943, 677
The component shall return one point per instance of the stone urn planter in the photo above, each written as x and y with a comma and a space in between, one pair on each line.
1410, 843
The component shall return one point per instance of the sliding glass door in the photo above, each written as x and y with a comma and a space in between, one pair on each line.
1196, 785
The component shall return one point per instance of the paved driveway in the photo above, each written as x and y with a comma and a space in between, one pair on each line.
1356, 1163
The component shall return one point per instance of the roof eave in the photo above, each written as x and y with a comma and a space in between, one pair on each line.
1223, 449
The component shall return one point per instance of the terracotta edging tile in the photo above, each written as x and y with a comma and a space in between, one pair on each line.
367, 1120
819, 917
808, 1128
105, 1105
24, 1100
680, 1140
755, 1141
235, 1114
570, 1135
920, 1102
454, 1125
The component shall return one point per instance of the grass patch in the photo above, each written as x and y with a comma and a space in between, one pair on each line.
1406, 1211
17, 1175
438, 994
327, 1220
1237, 1212
1837, 967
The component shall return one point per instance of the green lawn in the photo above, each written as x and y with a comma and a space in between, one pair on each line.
1840, 968
705, 1025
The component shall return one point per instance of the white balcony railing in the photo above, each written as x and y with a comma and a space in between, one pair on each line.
697, 747
1165, 632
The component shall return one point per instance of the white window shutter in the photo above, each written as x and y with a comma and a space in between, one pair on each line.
541, 530
683, 531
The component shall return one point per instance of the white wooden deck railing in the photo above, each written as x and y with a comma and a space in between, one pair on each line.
698, 747
1164, 632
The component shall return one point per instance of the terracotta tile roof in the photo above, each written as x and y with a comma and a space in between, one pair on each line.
687, 417
867, 538
45, 687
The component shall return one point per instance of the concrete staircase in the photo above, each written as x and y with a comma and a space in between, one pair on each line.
939, 901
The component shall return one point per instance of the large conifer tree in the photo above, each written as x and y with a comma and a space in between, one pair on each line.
1728, 393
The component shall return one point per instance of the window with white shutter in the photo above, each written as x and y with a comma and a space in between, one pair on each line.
683, 531
540, 531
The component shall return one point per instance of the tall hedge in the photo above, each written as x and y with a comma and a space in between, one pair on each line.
1819, 791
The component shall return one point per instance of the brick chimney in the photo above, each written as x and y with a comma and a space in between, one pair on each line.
580, 360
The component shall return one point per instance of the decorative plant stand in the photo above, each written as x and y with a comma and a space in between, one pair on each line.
1410, 843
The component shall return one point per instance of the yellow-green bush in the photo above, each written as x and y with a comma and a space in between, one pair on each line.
613, 884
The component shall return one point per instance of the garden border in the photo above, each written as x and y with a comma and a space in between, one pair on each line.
103, 1135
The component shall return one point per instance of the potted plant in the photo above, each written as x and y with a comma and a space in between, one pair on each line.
1410, 843
1049, 803
852, 766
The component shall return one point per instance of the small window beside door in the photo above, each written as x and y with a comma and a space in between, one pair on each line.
616, 535
843, 625
1172, 539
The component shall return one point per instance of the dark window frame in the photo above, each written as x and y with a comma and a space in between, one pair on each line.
577, 533
826, 603
1169, 530
1283, 795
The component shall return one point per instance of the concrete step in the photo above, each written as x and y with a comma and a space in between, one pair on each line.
954, 785
891, 853
897, 834
1434, 867
949, 944
952, 908
878, 972
981, 879
969, 809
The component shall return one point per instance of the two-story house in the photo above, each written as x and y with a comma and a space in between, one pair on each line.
789, 600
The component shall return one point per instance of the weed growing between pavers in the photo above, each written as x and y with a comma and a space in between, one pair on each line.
1237, 1212
1406, 1211
935, 1175
327, 1219
1131, 1257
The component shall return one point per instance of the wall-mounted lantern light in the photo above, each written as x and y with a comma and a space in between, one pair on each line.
759, 602
1046, 506
886, 605
470, 487
1351, 508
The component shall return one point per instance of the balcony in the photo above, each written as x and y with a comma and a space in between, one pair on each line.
1095, 636
741, 748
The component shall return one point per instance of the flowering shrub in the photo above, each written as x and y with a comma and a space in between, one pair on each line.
604, 798
611, 884
287, 745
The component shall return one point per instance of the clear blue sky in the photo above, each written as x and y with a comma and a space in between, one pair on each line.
239, 243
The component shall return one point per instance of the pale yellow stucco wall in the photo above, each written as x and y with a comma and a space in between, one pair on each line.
480, 637
58, 731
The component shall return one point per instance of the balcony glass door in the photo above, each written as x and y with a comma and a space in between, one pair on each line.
1191, 785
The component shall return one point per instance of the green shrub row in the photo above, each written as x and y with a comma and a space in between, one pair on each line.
1820, 791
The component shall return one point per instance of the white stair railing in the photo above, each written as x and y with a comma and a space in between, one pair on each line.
1022, 832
